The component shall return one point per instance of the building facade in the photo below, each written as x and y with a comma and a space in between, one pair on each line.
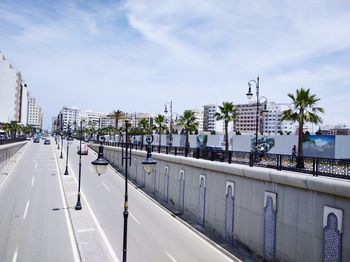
35, 114
13, 90
269, 118
69, 116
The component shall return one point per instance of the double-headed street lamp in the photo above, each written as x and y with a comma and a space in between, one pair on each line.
250, 95
61, 156
80, 152
148, 164
69, 139
171, 121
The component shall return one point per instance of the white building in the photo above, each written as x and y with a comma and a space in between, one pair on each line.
272, 120
69, 116
209, 122
269, 118
199, 115
13, 90
35, 115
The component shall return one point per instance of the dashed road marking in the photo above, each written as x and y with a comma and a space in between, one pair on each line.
105, 186
33, 180
170, 256
26, 210
134, 218
14, 258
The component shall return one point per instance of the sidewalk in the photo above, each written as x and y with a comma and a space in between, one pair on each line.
90, 238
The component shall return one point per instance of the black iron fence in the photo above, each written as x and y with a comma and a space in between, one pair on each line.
9, 141
339, 168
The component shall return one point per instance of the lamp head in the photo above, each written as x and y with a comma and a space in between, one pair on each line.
100, 163
249, 94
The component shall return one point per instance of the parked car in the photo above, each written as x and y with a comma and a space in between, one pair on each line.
36, 140
84, 149
47, 142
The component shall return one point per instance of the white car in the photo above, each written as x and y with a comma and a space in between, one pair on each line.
84, 149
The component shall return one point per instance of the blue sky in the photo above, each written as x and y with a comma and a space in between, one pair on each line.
137, 55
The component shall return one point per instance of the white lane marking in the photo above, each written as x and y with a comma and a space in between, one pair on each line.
102, 233
134, 218
14, 258
84, 230
171, 258
105, 186
68, 182
68, 222
26, 210
33, 180
36, 165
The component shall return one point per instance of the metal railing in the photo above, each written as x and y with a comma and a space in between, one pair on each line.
339, 168
9, 141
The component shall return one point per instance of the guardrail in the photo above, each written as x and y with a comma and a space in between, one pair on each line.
339, 168
9, 141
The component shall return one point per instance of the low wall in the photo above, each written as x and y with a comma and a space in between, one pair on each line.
7, 151
280, 215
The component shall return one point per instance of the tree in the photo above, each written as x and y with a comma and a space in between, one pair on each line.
145, 127
189, 123
227, 113
159, 125
304, 110
117, 114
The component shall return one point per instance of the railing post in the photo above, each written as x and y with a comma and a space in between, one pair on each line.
212, 155
175, 151
251, 159
229, 160
158, 148
166, 150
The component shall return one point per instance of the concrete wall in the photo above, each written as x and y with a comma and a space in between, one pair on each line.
300, 201
7, 151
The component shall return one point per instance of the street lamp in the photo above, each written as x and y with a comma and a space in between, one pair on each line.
61, 156
69, 139
149, 162
250, 95
171, 120
78, 205
100, 163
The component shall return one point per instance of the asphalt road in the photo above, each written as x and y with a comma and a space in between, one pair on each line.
34, 222
153, 234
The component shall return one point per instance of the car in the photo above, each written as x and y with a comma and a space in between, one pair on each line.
36, 140
84, 149
47, 142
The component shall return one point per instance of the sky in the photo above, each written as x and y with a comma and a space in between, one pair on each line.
136, 55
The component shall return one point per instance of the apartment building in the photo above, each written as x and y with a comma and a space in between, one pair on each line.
13, 90
35, 114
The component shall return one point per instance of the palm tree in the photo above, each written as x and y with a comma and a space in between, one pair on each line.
227, 113
145, 128
304, 110
117, 114
188, 123
159, 125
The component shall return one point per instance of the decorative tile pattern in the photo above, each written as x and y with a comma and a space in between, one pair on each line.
332, 234
270, 216
229, 212
182, 190
201, 208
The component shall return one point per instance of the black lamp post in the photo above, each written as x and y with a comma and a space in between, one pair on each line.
101, 163
171, 121
68, 142
61, 156
58, 141
78, 205
250, 95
